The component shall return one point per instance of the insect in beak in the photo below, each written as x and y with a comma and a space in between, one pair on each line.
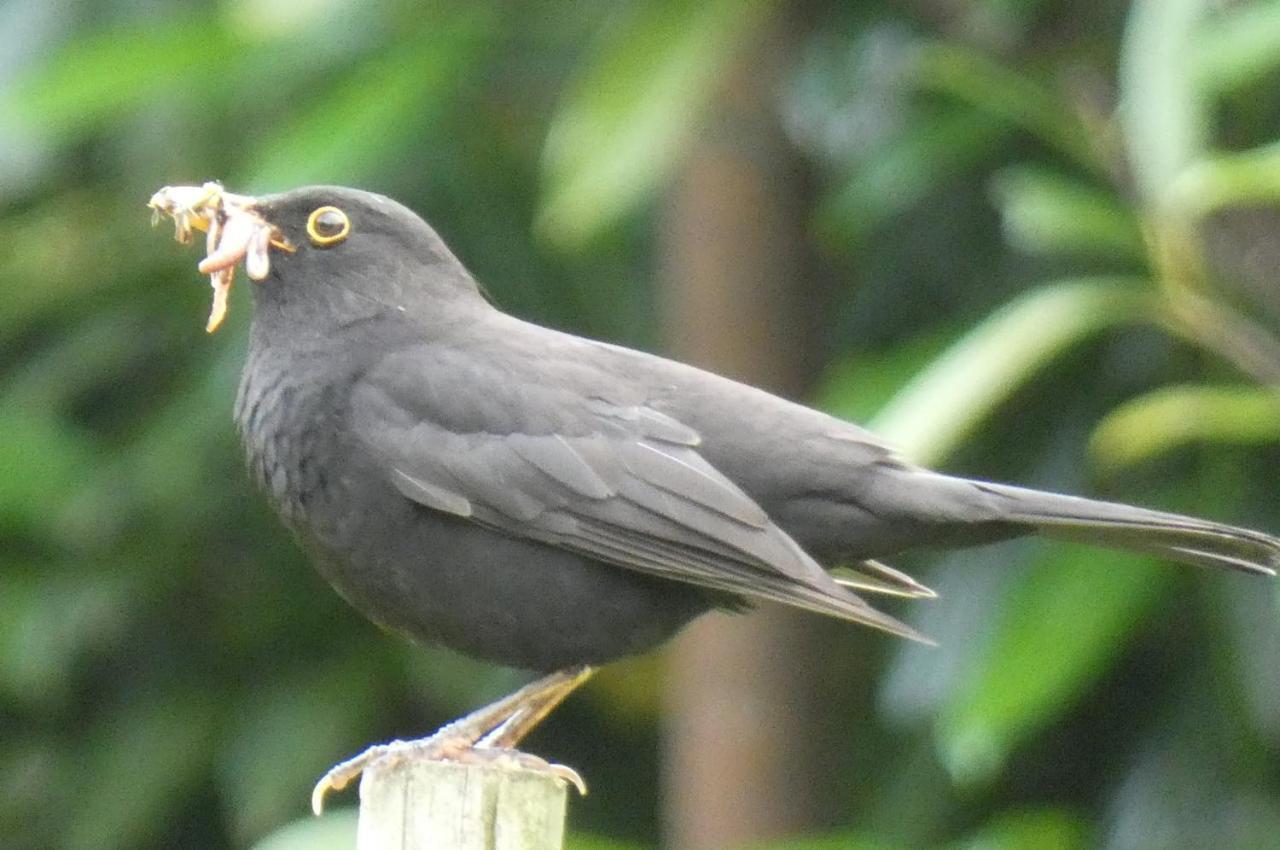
235, 231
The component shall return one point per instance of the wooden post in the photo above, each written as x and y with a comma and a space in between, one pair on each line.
413, 804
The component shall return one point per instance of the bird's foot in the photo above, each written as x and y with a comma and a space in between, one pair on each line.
437, 748
486, 736
513, 759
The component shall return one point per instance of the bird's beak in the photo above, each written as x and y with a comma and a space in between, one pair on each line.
236, 231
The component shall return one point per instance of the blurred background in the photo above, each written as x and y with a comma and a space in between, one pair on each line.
1027, 240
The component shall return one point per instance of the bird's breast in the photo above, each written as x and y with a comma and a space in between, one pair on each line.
292, 419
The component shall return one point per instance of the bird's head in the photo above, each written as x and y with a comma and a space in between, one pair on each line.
320, 254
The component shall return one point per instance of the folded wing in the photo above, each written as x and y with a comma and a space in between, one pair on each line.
625, 485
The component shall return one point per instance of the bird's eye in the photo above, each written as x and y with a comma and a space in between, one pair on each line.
327, 226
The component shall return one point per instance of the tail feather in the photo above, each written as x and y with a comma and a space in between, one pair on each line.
1109, 524
875, 577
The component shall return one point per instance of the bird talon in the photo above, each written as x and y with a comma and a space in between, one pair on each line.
517, 760
568, 775
336, 779
341, 774
320, 791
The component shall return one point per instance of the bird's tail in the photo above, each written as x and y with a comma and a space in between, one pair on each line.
1112, 525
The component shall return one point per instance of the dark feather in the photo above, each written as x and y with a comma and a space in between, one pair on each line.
623, 485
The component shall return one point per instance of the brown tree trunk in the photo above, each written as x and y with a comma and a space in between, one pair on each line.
744, 755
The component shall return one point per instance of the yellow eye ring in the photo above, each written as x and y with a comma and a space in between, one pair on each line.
327, 226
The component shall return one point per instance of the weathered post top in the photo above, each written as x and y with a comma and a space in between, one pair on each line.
408, 804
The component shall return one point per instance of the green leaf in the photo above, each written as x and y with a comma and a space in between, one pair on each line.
1163, 115
1044, 212
1227, 180
1036, 829
941, 407
1237, 46
1009, 96
1172, 417
618, 134
335, 831
105, 77
349, 133
1060, 627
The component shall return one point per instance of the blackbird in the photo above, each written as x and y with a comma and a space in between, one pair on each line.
550, 502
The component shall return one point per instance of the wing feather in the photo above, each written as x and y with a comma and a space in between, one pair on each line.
624, 485
558, 459
687, 476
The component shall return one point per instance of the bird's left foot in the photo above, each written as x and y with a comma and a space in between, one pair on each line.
486, 736
436, 748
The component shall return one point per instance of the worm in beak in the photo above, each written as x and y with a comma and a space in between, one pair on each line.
235, 231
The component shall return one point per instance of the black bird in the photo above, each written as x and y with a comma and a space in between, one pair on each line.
551, 502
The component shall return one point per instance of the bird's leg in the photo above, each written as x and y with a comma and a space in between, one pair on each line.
488, 734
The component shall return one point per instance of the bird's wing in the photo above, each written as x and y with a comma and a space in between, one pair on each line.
623, 484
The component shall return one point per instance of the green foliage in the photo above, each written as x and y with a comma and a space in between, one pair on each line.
978, 80
346, 133
618, 134
1172, 417
141, 758
1224, 181
1017, 215
274, 750
1236, 49
893, 178
947, 400
101, 76
1162, 113
1061, 625
1047, 213
1045, 829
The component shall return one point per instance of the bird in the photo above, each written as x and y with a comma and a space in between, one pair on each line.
550, 502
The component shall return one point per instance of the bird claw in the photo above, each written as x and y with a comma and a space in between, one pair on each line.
454, 750
341, 774
567, 775
517, 760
